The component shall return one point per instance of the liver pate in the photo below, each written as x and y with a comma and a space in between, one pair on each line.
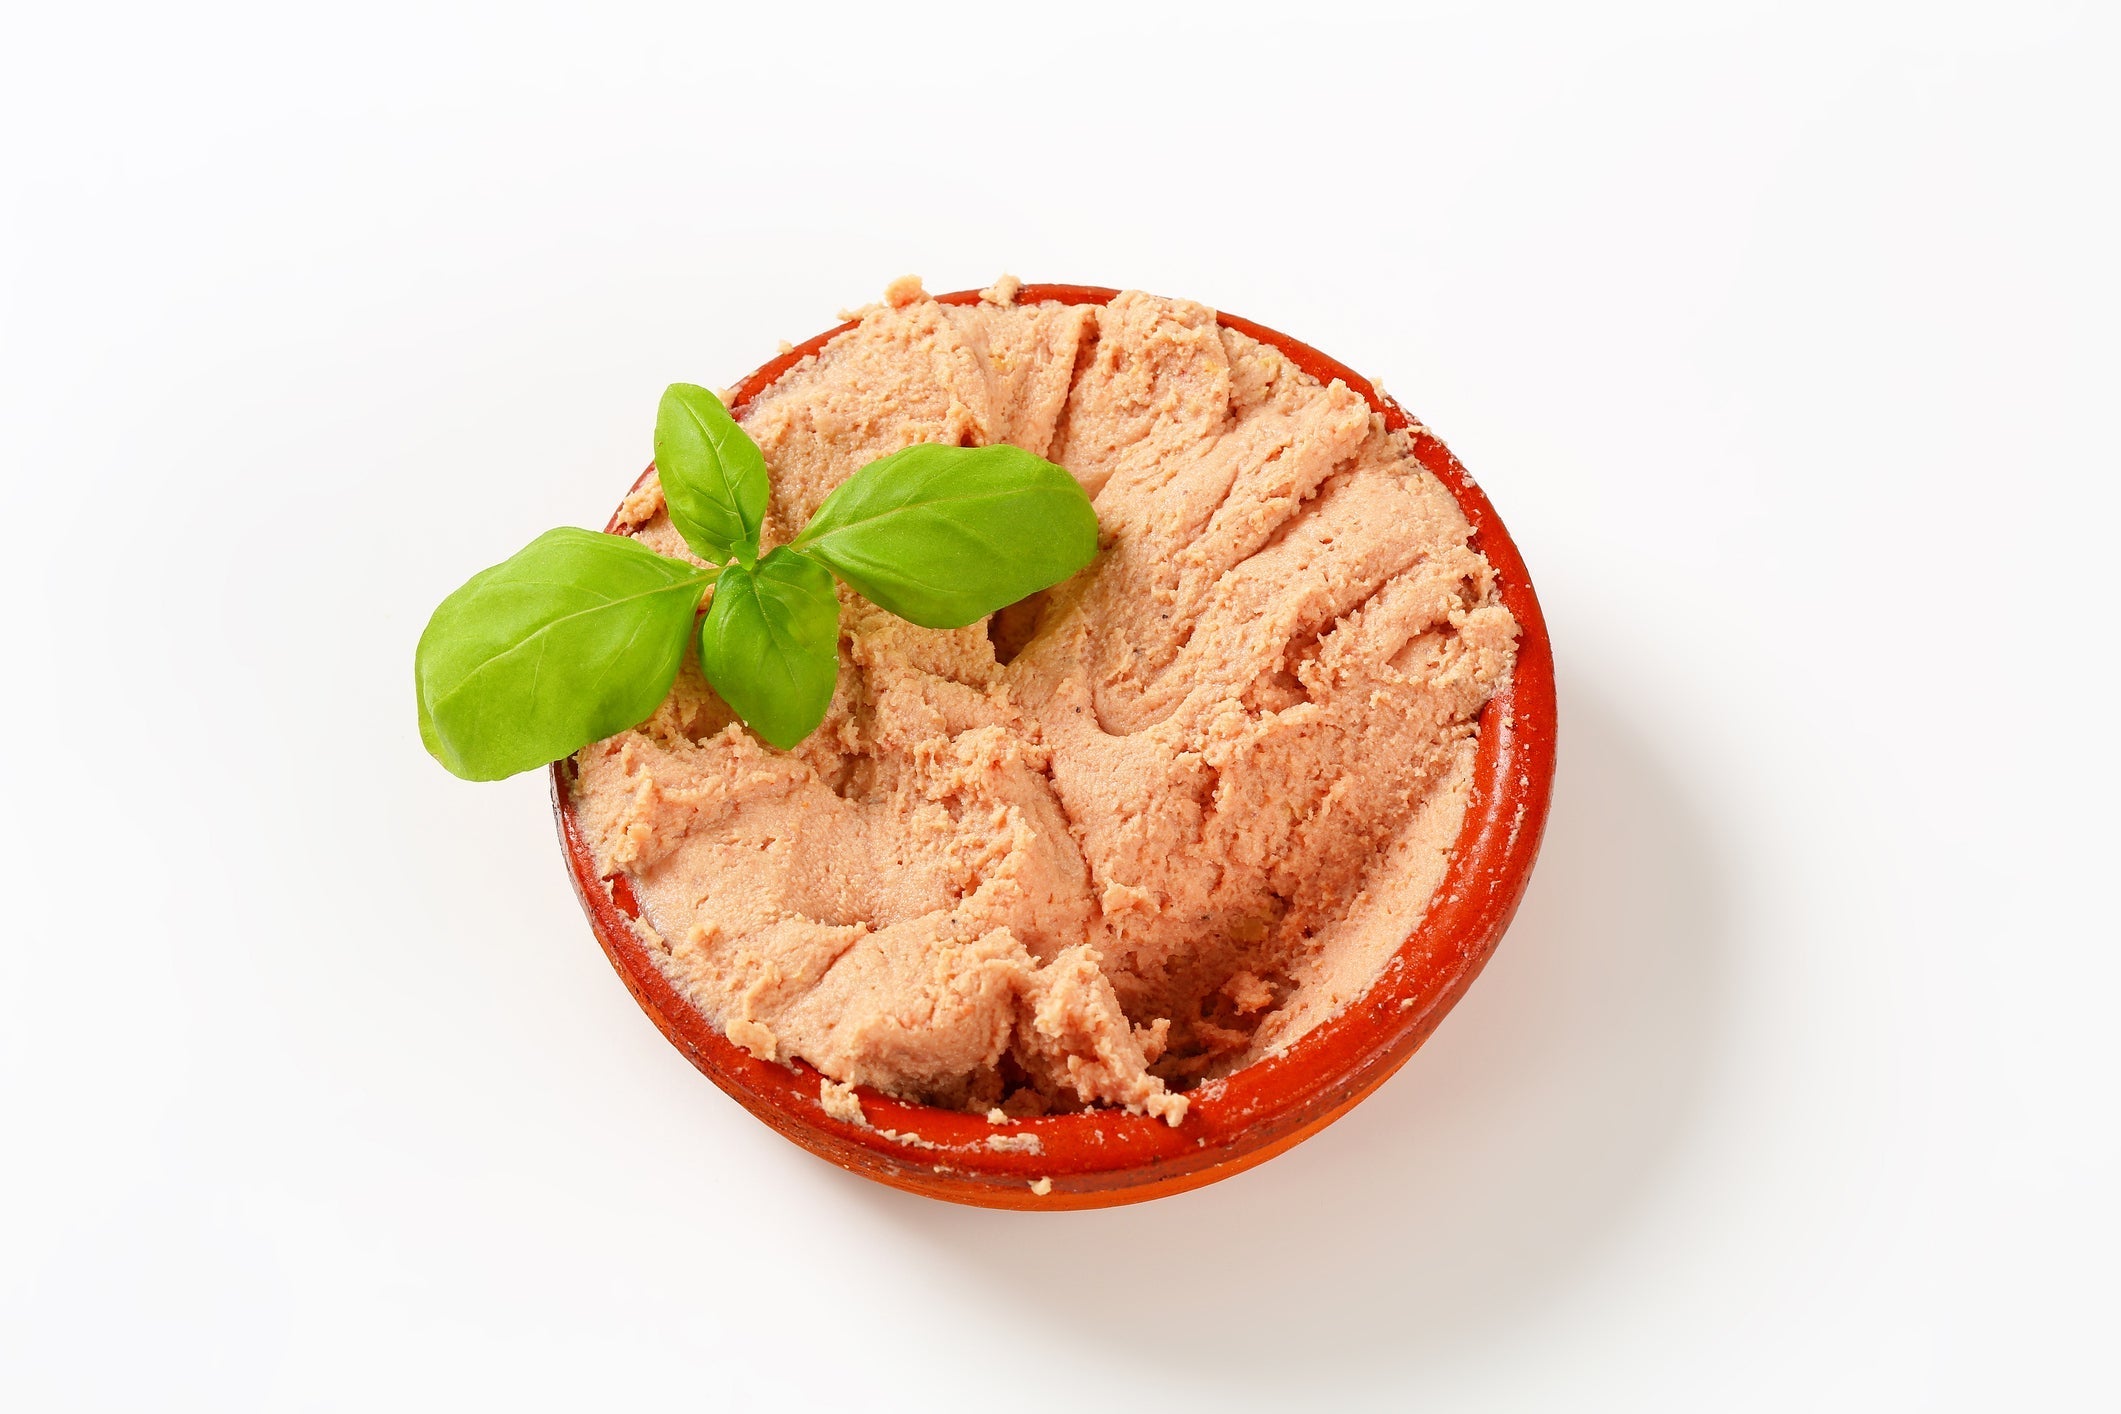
1125, 837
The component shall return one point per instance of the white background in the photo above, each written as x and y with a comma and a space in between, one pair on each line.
1785, 340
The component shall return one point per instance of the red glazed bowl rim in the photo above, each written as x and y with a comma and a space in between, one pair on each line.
1099, 1157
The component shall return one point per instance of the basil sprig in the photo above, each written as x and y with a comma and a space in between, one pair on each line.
579, 635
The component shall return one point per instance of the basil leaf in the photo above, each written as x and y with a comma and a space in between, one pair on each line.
576, 636
770, 644
944, 536
713, 475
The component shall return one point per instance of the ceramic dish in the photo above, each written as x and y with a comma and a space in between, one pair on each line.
1100, 1157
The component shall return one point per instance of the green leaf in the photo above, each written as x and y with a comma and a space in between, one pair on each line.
944, 536
714, 478
770, 644
575, 637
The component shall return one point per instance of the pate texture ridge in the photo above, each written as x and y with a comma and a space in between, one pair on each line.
1129, 835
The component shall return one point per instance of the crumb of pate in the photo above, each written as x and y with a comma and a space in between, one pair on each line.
642, 505
757, 1039
841, 1102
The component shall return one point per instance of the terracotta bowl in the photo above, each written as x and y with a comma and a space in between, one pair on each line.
1100, 1157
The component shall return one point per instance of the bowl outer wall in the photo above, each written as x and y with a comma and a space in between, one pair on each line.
1103, 1157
